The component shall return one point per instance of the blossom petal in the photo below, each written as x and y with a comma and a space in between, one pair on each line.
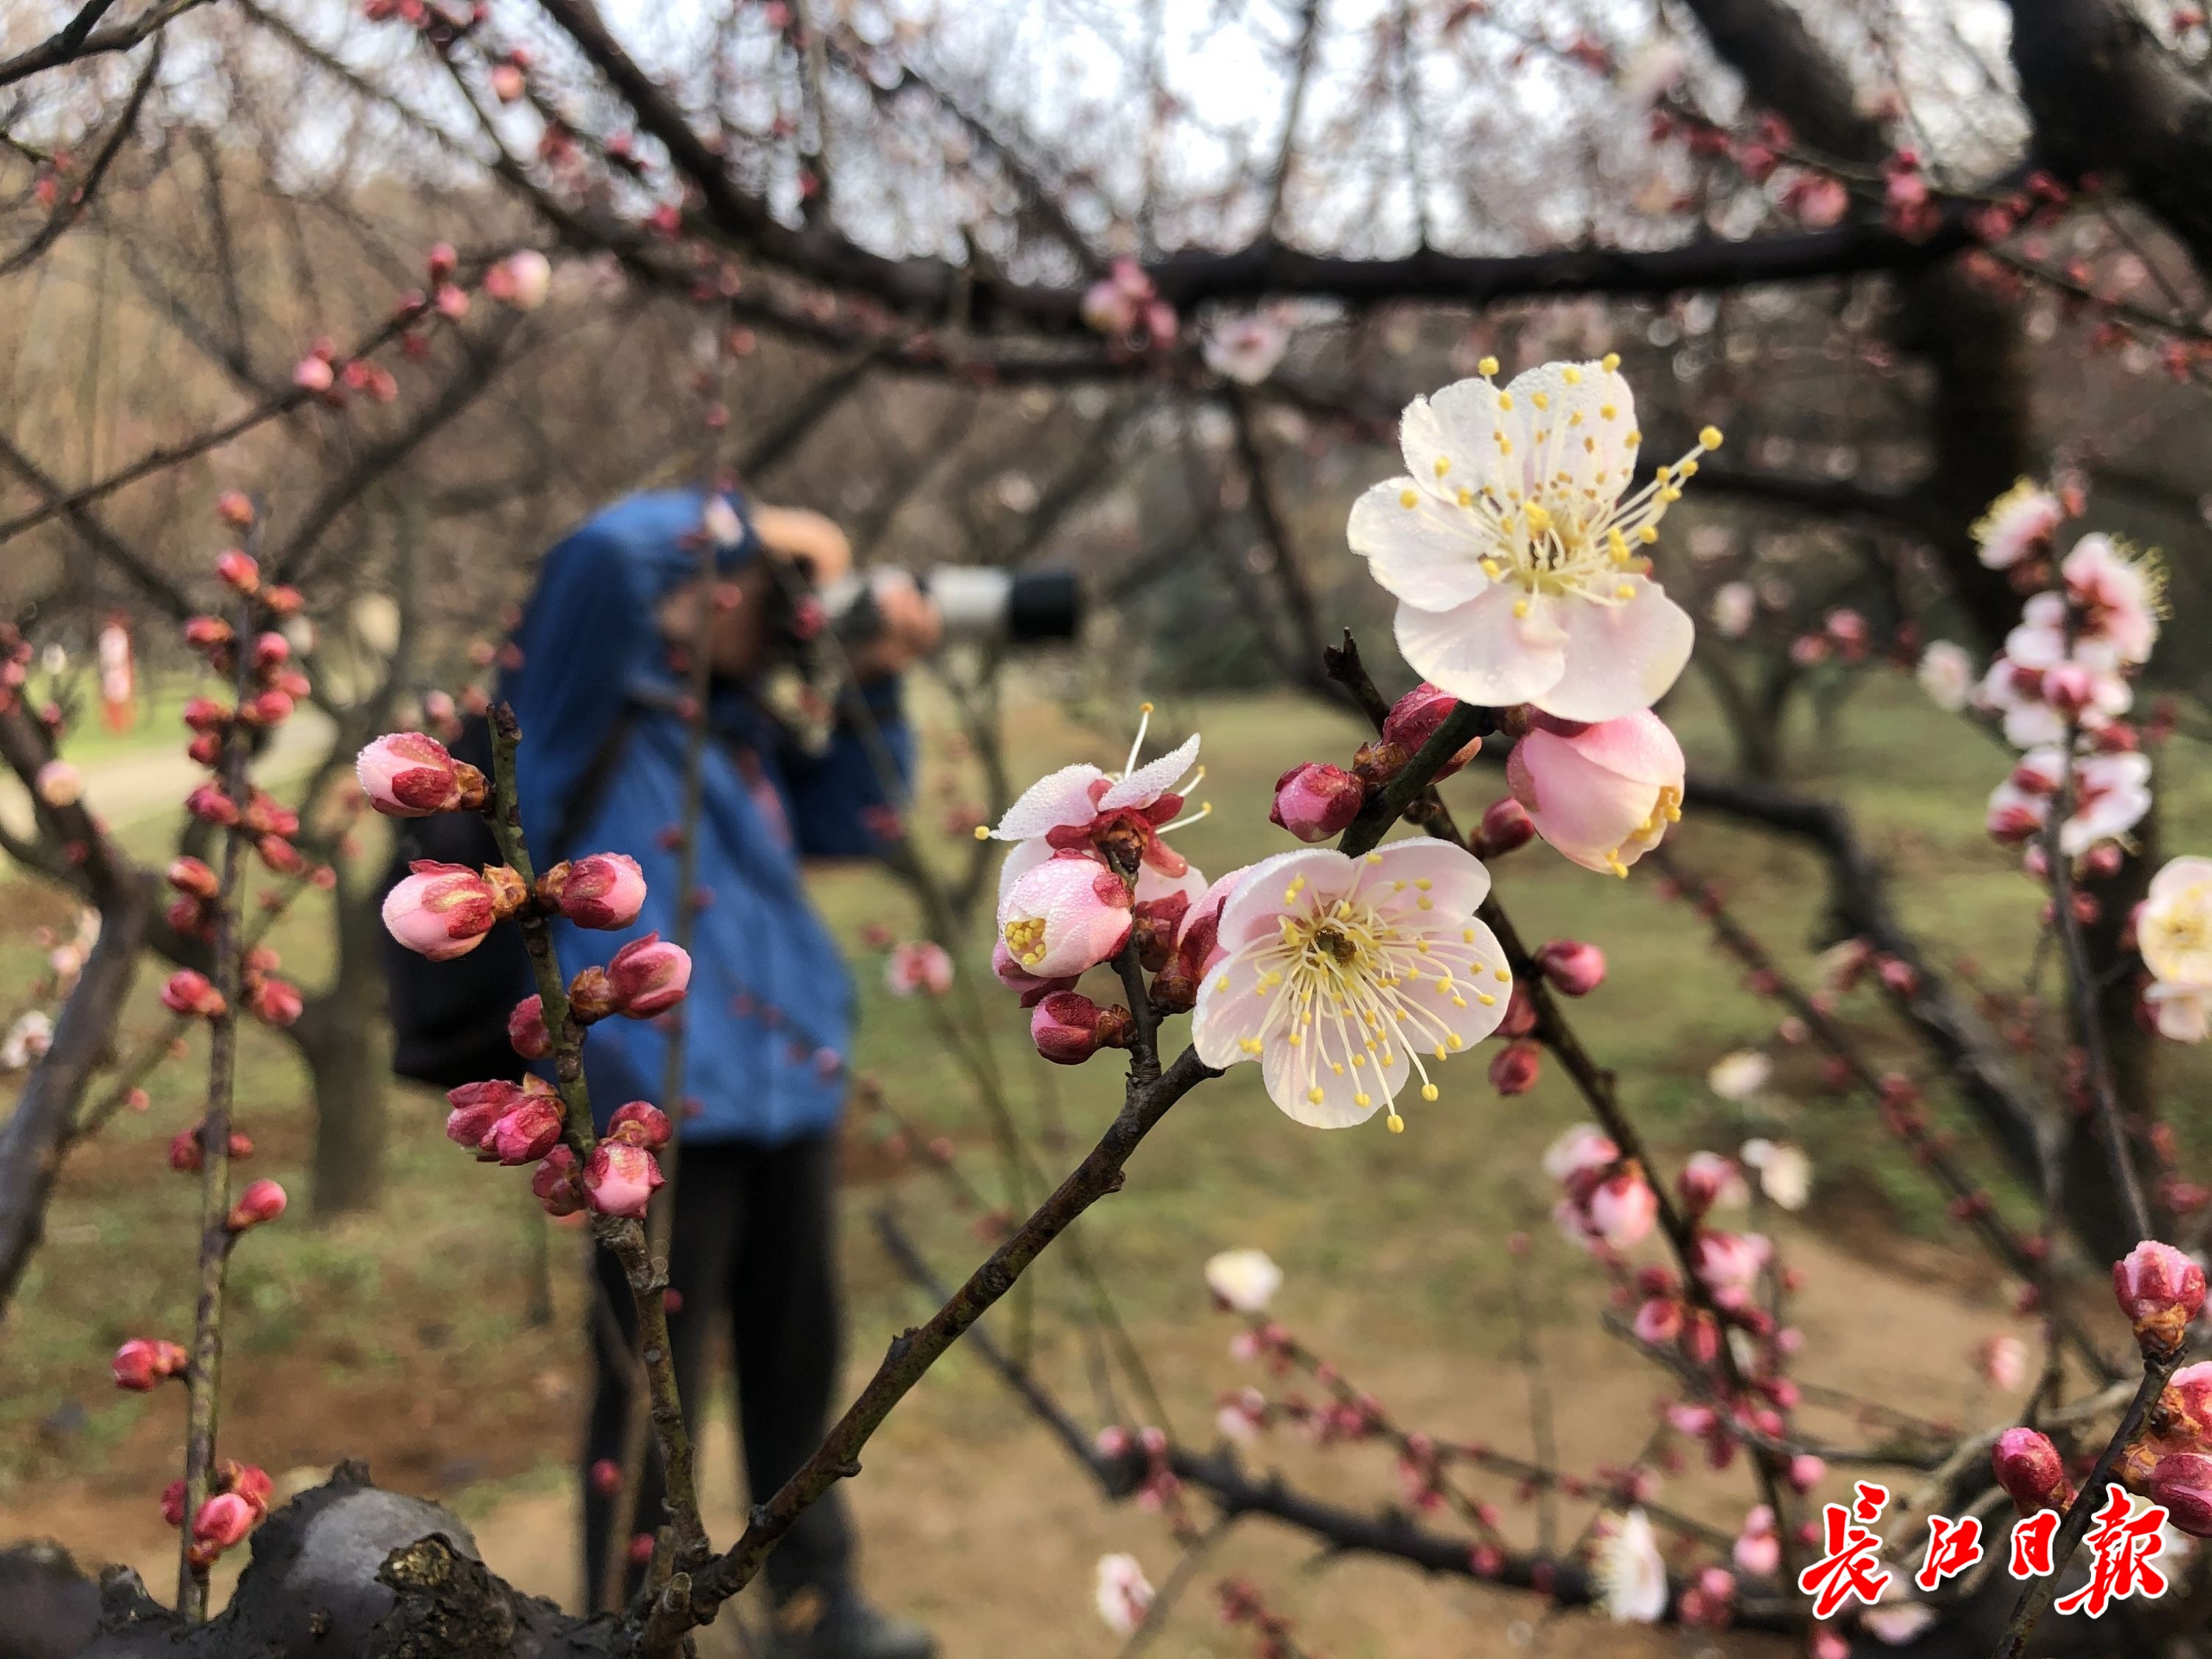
1152, 780
1058, 798
1292, 1079
1151, 884
1428, 556
1619, 658
1578, 418
1481, 652
1229, 1009
1458, 426
1026, 857
1455, 1002
1251, 910
1457, 882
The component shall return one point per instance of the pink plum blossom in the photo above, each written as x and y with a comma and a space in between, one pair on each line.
603, 890
1517, 555
441, 910
620, 1179
1602, 795
2019, 521
409, 775
919, 964
1320, 947
1064, 916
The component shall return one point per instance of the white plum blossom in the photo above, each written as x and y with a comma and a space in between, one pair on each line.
1246, 349
2173, 933
2111, 792
1518, 558
27, 1040
2118, 592
1345, 976
1244, 1281
1735, 605
1740, 1075
1785, 1173
1630, 1574
1946, 675
2024, 515
1124, 1595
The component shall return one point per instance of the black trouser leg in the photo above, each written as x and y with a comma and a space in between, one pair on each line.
710, 1202
787, 1321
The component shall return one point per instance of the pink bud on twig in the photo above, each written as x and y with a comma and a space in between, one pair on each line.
2160, 1290
1573, 968
606, 889
2028, 1466
260, 1202
409, 775
1314, 801
555, 1183
143, 1363
648, 976
192, 992
525, 1028
1068, 1027
442, 910
620, 1179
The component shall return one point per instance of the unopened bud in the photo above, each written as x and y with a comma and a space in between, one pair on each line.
409, 775
2183, 1482
555, 1183
1573, 968
234, 508
1505, 825
525, 1028
640, 1123
191, 993
606, 889
1314, 801
2028, 1466
1514, 1069
527, 1132
143, 1363
2160, 1290
647, 977
1414, 718
1068, 1027
260, 1202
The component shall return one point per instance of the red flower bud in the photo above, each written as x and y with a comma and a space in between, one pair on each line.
234, 508
2183, 1482
1505, 825
192, 992
2028, 1466
222, 1521
525, 1028
640, 1123
1068, 1027
2160, 1290
1413, 719
262, 1201
409, 775
527, 1133
143, 1363
1514, 1069
172, 1503
1520, 1014
1574, 969
265, 708
648, 976
620, 1179
476, 1107
555, 1184
210, 805
239, 570
274, 1002
189, 875
208, 633
1314, 801
606, 889
206, 714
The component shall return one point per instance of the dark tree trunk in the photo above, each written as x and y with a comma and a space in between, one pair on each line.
342, 1037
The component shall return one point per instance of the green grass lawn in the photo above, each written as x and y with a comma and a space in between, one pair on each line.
409, 1323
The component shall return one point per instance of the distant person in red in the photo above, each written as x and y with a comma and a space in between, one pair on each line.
601, 690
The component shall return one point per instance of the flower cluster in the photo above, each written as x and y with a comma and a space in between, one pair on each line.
237, 1502
1124, 306
443, 911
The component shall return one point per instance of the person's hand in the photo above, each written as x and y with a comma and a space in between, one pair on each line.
910, 628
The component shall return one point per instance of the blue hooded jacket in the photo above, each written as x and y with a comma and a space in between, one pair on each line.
770, 1009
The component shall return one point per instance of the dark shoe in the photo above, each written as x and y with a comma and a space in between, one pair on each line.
847, 1628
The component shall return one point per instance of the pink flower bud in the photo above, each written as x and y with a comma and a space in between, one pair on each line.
264, 1201
1806, 1472
620, 1179
208, 633
143, 1363
206, 714
249, 1481
172, 1503
234, 508
2028, 1466
189, 875
2186, 1405
555, 1185
1314, 801
640, 1123
1705, 1179
606, 889
238, 570
265, 708
1658, 1321
2183, 1482
186, 1156
1514, 1069
2160, 1290
281, 856
1573, 968
1413, 719
476, 1107
1068, 1027
274, 1002
58, 784
921, 964
1520, 1014
521, 280
1031, 989
441, 262
313, 374
525, 1028
442, 910
409, 775
1069, 914
222, 1521
1505, 825
192, 992
1757, 1548
527, 1133
648, 976
1602, 795
210, 805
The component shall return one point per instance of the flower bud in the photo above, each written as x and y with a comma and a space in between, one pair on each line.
1520, 1014
1514, 1069
210, 805
648, 976
527, 1133
522, 279
189, 875
172, 1503
222, 1521
239, 571
236, 509
640, 1123
476, 1107
606, 889
274, 1002
1707, 1178
1066, 915
1573, 968
1604, 794
1068, 1027
1757, 1548
2186, 1408
2028, 1466
442, 910
264, 1201
525, 1028
265, 708
313, 374
409, 775
1413, 719
191, 993
1505, 825
2183, 1482
58, 784
2160, 1290
1314, 801
143, 1363
555, 1185
249, 1481
620, 1179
